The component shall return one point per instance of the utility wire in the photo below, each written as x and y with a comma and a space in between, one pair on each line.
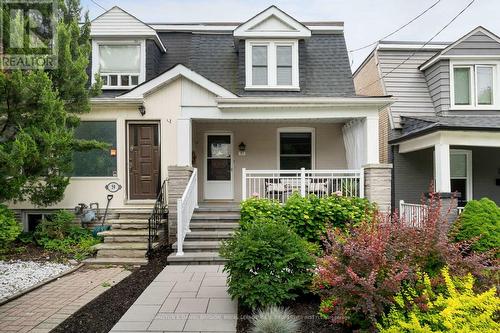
98, 5
398, 29
420, 48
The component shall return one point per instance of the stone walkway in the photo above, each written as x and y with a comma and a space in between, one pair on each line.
46, 307
183, 299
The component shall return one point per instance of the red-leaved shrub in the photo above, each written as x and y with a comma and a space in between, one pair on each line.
363, 269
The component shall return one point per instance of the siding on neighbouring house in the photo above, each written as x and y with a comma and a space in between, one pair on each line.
413, 175
438, 81
485, 172
406, 82
476, 44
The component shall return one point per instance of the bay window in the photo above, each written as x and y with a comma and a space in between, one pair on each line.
473, 86
272, 65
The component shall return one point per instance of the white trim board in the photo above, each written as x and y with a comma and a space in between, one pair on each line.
282, 26
454, 138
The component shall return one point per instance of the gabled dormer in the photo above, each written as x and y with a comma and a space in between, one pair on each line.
119, 48
272, 50
470, 73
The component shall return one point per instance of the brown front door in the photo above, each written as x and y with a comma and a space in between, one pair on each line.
144, 161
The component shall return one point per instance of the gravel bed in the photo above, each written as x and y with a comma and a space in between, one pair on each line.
16, 276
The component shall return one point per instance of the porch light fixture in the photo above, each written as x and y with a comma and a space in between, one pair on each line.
242, 147
142, 110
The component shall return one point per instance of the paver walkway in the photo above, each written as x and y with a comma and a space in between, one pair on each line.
183, 299
46, 307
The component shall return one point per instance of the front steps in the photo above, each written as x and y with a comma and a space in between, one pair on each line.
127, 241
209, 226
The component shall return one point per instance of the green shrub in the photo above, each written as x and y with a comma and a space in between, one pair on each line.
259, 209
456, 309
60, 234
267, 264
480, 221
9, 227
274, 320
309, 217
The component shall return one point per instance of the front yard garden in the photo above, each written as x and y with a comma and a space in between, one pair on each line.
337, 264
27, 259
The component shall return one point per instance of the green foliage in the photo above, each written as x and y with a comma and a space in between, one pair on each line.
9, 227
274, 320
254, 209
480, 222
456, 309
38, 116
309, 217
60, 234
267, 264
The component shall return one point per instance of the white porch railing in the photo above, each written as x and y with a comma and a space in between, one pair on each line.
281, 184
185, 208
413, 214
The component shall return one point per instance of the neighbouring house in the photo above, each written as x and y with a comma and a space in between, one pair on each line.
208, 114
444, 126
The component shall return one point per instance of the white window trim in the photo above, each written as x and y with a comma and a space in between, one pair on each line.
272, 65
469, 186
95, 60
472, 64
311, 130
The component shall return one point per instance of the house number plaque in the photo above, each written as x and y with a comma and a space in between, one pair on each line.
113, 187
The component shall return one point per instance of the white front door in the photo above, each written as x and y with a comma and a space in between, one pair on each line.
218, 166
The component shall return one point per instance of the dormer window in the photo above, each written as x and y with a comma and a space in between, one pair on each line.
120, 65
272, 65
474, 86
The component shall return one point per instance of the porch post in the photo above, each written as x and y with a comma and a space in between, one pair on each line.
442, 167
243, 184
303, 182
184, 142
371, 140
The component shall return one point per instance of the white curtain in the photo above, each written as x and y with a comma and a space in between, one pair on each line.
120, 58
354, 142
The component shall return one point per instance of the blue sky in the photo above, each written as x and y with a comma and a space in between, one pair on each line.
365, 20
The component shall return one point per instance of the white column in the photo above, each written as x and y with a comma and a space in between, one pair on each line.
442, 167
371, 140
184, 142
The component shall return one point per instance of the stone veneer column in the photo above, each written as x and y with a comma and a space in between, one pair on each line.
178, 178
378, 185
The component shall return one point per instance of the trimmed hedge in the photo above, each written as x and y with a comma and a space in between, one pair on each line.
480, 221
9, 227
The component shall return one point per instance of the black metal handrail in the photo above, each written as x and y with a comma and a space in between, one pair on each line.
159, 213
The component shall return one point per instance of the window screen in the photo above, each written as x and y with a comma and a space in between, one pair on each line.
259, 65
96, 163
295, 151
284, 63
484, 85
462, 85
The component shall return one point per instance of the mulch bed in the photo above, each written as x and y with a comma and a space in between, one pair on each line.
304, 307
102, 313
31, 252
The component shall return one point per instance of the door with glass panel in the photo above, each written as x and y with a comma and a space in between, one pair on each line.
218, 166
461, 175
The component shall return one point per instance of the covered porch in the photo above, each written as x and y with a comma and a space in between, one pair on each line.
273, 159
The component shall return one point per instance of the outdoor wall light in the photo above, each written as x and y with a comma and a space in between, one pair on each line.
242, 147
142, 110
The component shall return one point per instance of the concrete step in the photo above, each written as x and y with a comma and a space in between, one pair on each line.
122, 246
196, 258
208, 235
124, 233
216, 217
199, 246
129, 224
116, 261
202, 225
209, 209
123, 253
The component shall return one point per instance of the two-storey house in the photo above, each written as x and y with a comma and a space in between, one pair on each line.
213, 113
444, 126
